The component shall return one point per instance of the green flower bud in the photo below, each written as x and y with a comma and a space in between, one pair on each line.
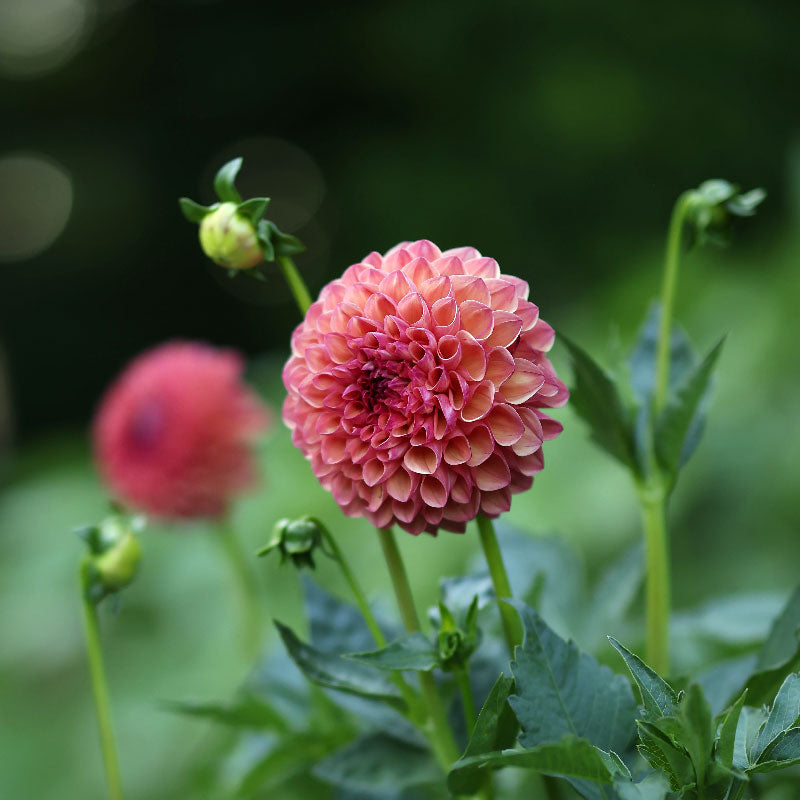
457, 643
229, 238
296, 540
114, 554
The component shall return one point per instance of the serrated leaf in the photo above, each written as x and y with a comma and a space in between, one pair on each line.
378, 764
335, 672
560, 690
663, 755
673, 444
727, 733
570, 757
594, 397
194, 212
495, 730
658, 697
224, 181
247, 711
253, 209
414, 651
783, 715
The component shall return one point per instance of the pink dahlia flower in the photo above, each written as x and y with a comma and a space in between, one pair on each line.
416, 384
173, 434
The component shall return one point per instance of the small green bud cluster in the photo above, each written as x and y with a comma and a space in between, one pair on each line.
295, 540
114, 554
233, 232
457, 643
712, 207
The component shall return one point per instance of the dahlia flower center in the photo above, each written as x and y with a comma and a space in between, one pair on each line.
382, 385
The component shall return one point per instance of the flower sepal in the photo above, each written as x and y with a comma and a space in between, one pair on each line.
296, 541
113, 556
712, 208
457, 643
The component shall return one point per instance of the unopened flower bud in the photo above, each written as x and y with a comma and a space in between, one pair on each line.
114, 554
295, 540
457, 643
229, 239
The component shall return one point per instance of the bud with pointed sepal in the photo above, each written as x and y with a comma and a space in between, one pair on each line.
712, 208
114, 554
457, 643
295, 540
233, 232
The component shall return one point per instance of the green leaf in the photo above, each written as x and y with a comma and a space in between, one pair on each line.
783, 752
194, 212
750, 723
253, 209
335, 672
727, 733
247, 711
784, 715
658, 697
414, 651
377, 764
594, 397
745, 204
653, 787
570, 757
560, 690
495, 730
697, 730
673, 442
224, 181
662, 754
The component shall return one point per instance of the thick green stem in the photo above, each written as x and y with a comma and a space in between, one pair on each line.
669, 284
247, 586
296, 283
441, 734
94, 654
658, 581
502, 587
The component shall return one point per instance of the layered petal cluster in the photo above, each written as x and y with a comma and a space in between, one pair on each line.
173, 433
416, 384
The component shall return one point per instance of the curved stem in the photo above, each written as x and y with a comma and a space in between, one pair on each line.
442, 739
296, 283
669, 283
658, 580
502, 587
247, 585
94, 654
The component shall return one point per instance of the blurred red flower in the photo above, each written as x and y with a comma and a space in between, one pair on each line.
173, 433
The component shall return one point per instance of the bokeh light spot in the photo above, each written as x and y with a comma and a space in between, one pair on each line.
35, 203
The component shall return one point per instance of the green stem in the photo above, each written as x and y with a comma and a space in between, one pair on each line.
94, 654
247, 585
441, 735
502, 587
658, 580
669, 283
296, 283
467, 699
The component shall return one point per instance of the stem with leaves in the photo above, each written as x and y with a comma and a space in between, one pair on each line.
94, 654
502, 586
441, 734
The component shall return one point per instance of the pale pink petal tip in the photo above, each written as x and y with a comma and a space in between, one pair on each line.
416, 384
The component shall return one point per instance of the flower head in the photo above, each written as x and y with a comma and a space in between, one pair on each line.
416, 384
229, 238
173, 433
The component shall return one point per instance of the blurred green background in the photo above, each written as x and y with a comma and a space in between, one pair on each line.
553, 136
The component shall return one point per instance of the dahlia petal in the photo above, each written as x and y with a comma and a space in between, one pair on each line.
424, 249
530, 465
524, 383
482, 267
521, 287
500, 366
407, 510
550, 427
433, 516
433, 491
413, 309
445, 315
531, 440
435, 289
473, 356
505, 424
497, 502
480, 402
470, 287
396, 258
421, 459
457, 450
503, 295
326, 423
336, 346
317, 357
374, 259
464, 253
451, 265
399, 485
528, 313
507, 327
376, 471
418, 270
449, 351
540, 336
396, 285
358, 294
477, 319
379, 306
457, 392
382, 517
492, 474
481, 445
